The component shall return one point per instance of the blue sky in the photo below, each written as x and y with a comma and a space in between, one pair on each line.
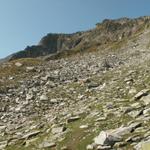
24, 22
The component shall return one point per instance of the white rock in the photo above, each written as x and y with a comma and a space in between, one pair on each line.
90, 147
84, 127
105, 138
29, 97
54, 101
18, 64
11, 78
47, 145
30, 68
3, 144
146, 111
132, 91
58, 130
43, 98
146, 99
72, 119
141, 94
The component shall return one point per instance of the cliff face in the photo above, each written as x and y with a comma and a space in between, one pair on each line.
106, 32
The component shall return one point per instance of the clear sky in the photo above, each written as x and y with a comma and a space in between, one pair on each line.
24, 22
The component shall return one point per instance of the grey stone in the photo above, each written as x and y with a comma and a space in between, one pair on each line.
120, 144
54, 101
29, 96
101, 119
105, 138
18, 64
31, 68
132, 91
125, 130
90, 147
43, 98
146, 111
30, 134
135, 113
47, 144
141, 94
84, 126
72, 119
58, 130
3, 145
144, 145
2, 128
100, 147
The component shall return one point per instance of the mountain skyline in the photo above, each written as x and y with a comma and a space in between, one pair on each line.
26, 22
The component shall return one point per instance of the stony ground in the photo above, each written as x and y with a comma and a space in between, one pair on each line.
96, 101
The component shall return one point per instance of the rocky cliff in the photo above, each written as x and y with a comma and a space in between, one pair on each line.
105, 33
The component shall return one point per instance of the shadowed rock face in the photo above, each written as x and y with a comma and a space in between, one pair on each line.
58, 42
106, 32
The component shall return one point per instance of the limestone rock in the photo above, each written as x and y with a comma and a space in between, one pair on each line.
30, 134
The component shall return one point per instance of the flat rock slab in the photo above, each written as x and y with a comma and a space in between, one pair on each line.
47, 145
141, 94
72, 119
31, 134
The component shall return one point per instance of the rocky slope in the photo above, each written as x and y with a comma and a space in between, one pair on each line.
95, 101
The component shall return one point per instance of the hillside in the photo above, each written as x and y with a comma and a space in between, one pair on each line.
83, 91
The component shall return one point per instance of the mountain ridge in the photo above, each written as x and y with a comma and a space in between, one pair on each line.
108, 31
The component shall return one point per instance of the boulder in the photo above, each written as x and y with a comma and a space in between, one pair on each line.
105, 138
